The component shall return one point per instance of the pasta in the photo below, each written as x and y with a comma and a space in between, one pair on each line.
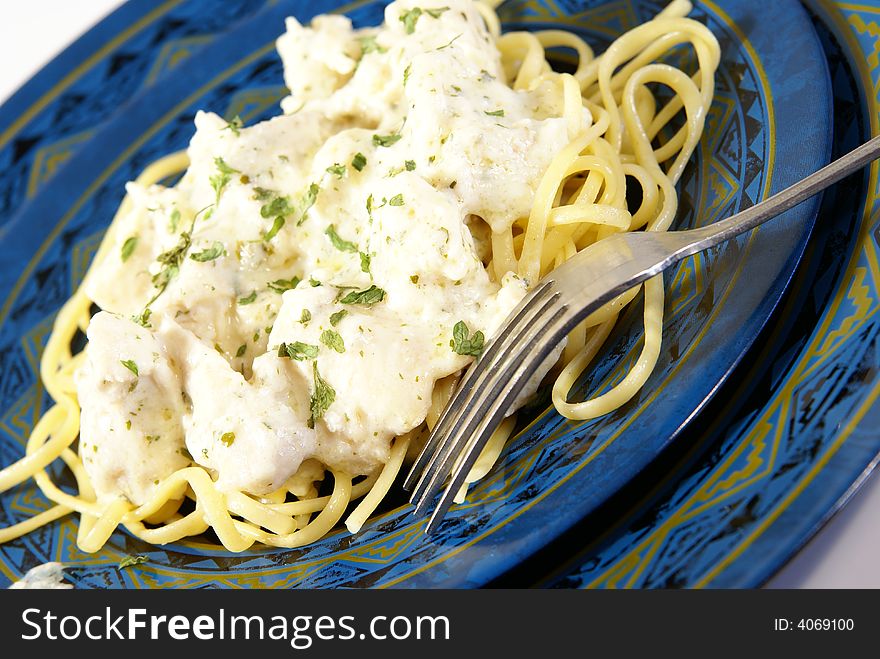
518, 165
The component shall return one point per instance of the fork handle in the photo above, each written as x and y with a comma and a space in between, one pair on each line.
563, 300
718, 232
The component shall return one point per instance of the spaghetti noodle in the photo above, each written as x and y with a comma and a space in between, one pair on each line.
616, 130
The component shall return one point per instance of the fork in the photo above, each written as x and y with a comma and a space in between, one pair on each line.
559, 301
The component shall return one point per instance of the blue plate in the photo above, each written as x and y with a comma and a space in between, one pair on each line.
800, 433
554, 472
62, 107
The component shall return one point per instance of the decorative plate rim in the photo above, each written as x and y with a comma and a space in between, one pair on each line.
29, 126
776, 184
846, 456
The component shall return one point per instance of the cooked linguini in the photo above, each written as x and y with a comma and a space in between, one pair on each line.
304, 448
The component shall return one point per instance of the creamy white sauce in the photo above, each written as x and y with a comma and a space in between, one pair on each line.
441, 141
47, 576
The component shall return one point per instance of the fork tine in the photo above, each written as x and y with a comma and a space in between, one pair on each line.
500, 392
467, 407
492, 372
436, 451
493, 351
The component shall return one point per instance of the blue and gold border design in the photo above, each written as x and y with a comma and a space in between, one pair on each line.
555, 471
54, 114
796, 454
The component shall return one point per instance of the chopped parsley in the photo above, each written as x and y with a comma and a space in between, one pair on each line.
495, 113
281, 207
463, 344
276, 227
406, 73
281, 285
396, 200
410, 165
224, 175
305, 316
174, 221
128, 561
359, 161
248, 299
235, 125
336, 317
228, 438
371, 208
322, 398
333, 339
365, 262
308, 201
241, 350
369, 45
386, 140
337, 170
314, 283
171, 261
410, 17
130, 365
446, 45
276, 205
128, 248
298, 350
414, 279
213, 252
143, 318
339, 243
369, 297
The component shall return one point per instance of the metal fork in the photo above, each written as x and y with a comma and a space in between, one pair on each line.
554, 307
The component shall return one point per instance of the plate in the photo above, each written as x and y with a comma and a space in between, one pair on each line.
799, 433
554, 472
63, 106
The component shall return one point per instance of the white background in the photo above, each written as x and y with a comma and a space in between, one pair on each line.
846, 554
